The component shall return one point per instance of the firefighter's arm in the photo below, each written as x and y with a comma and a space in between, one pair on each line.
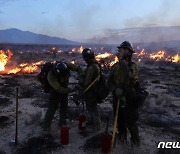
133, 71
56, 85
90, 74
76, 68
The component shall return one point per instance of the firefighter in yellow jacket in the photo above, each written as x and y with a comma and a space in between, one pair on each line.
91, 73
58, 78
121, 81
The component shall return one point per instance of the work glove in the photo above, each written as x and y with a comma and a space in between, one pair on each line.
118, 92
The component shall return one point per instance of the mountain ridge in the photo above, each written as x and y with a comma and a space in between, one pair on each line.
14, 35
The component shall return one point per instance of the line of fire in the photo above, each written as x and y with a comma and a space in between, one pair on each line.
8, 65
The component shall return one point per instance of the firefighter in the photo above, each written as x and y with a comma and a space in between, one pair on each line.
121, 81
58, 78
91, 73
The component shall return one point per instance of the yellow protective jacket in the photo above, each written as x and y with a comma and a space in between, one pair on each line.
91, 73
60, 84
123, 75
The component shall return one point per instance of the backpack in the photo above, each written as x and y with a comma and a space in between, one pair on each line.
42, 76
140, 95
102, 89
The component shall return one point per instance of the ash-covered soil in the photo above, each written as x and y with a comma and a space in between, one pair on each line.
159, 116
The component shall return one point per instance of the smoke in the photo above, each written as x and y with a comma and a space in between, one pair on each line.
83, 16
139, 35
74, 24
166, 15
161, 24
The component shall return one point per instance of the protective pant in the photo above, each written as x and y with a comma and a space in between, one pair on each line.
91, 105
127, 120
56, 100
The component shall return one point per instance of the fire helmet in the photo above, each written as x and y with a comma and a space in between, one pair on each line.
87, 54
126, 44
61, 69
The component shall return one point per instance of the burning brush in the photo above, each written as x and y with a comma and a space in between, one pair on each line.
5, 58
106, 60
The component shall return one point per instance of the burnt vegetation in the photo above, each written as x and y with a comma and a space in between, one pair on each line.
159, 115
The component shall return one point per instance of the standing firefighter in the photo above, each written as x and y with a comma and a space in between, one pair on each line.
122, 80
58, 79
92, 72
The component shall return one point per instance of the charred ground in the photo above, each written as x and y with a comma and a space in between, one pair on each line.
159, 116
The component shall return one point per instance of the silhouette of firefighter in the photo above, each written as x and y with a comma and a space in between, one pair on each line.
58, 80
91, 75
121, 81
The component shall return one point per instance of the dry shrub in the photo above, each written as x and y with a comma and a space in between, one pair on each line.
27, 92
34, 118
165, 99
126, 149
159, 100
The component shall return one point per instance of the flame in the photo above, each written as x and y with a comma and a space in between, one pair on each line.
73, 49
142, 53
31, 68
109, 59
26, 68
157, 56
23, 64
39, 63
4, 58
59, 51
102, 56
23, 67
81, 49
73, 62
176, 58
14, 71
113, 62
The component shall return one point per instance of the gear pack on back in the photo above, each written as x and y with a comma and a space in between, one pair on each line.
42, 76
102, 90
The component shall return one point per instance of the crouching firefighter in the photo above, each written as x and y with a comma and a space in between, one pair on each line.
58, 79
122, 79
91, 77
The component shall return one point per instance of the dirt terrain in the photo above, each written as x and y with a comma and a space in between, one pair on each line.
159, 116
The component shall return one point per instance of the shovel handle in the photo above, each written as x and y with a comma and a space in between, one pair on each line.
115, 125
16, 135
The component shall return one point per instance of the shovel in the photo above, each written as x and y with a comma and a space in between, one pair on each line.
115, 125
15, 141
